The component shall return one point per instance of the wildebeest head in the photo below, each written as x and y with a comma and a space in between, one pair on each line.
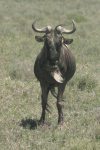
53, 41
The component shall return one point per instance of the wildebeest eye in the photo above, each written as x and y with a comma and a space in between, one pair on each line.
58, 32
48, 35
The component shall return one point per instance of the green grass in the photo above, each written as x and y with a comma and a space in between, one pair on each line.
20, 93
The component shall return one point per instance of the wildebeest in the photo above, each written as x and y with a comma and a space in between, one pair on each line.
55, 64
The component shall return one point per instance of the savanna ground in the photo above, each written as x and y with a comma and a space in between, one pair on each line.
20, 93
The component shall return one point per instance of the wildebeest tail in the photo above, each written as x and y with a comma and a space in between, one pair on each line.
53, 92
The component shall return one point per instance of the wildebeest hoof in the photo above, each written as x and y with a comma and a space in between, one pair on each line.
41, 121
60, 123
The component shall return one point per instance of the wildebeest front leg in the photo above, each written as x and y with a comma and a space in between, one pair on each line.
59, 102
45, 91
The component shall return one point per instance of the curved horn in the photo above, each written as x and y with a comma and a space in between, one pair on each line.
64, 31
43, 30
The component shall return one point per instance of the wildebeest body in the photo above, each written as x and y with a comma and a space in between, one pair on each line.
55, 64
66, 64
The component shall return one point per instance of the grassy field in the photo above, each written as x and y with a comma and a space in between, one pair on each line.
20, 93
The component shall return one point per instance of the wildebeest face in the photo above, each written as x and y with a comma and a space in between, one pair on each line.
53, 42
51, 45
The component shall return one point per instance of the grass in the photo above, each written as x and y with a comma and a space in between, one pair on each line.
20, 93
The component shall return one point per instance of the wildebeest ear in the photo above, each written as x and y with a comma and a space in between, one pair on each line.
39, 38
67, 41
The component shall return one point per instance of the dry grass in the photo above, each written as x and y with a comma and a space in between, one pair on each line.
20, 93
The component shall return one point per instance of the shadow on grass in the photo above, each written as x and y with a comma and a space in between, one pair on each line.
30, 123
